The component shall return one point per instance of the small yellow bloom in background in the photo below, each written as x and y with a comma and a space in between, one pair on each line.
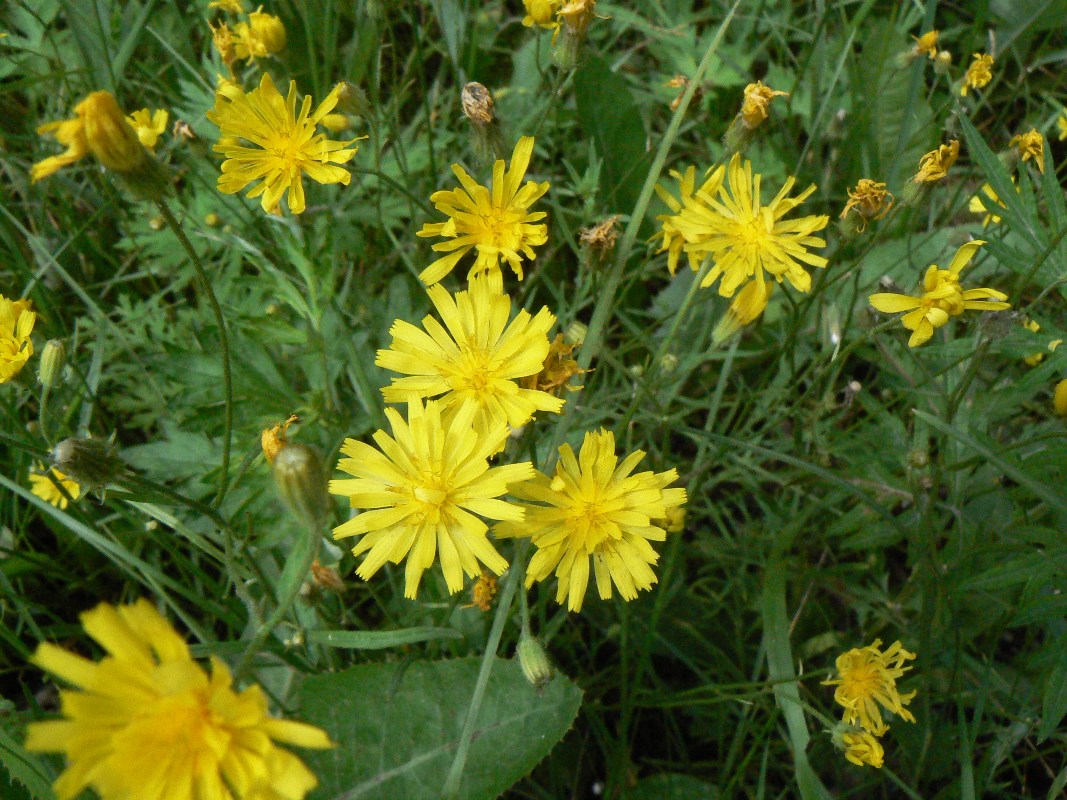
1030, 145
978, 74
1059, 398
541, 13
860, 747
942, 298
274, 439
483, 591
757, 103
231, 6
692, 213
148, 721
149, 125
868, 679
99, 128
335, 123
478, 357
870, 199
926, 44
984, 202
557, 370
423, 486
16, 347
747, 306
934, 166
43, 484
263, 35
1061, 125
222, 38
285, 143
575, 17
593, 508
496, 221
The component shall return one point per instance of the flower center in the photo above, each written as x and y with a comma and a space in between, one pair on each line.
862, 681
474, 372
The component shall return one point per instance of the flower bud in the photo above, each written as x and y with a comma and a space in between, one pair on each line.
268, 30
533, 660
212, 220
91, 462
301, 482
576, 333
1059, 398
110, 136
53, 358
335, 123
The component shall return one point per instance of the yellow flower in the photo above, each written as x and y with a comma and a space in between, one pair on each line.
1030, 145
942, 298
1059, 398
272, 440
16, 347
147, 721
757, 103
424, 486
862, 748
746, 307
542, 13
984, 201
870, 200
1036, 358
495, 220
978, 73
286, 145
477, 357
593, 507
222, 38
43, 484
868, 678
232, 6
927, 44
261, 36
1061, 125
935, 165
576, 16
100, 128
692, 212
149, 125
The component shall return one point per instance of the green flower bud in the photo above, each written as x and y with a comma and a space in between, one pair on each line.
53, 357
533, 660
91, 462
301, 482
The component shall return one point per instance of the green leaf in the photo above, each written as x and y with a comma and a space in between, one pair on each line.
397, 727
24, 768
669, 786
1054, 700
380, 640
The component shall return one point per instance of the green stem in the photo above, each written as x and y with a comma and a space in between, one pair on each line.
224, 343
42, 416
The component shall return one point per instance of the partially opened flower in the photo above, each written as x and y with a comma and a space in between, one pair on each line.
1030, 145
478, 356
16, 347
979, 73
595, 509
149, 125
867, 683
927, 44
861, 747
263, 35
934, 166
494, 221
942, 298
46, 485
423, 486
870, 200
283, 144
147, 721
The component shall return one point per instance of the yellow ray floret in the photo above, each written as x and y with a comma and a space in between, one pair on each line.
45, 484
147, 721
16, 347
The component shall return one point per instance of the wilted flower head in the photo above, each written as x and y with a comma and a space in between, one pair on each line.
934, 166
926, 44
979, 73
868, 679
1030, 145
870, 200
859, 746
100, 128
274, 439
757, 103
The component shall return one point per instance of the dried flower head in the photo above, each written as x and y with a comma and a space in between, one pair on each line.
870, 200
757, 103
1030, 145
557, 370
600, 238
477, 103
934, 166
274, 439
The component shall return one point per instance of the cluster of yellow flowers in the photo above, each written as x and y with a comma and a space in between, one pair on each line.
471, 377
258, 36
867, 679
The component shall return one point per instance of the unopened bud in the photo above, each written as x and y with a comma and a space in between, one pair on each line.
301, 482
157, 223
212, 220
334, 123
942, 62
91, 462
576, 333
918, 459
533, 660
110, 136
53, 358
669, 362
352, 100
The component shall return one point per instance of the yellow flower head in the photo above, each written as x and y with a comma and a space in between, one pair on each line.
935, 165
148, 721
860, 747
149, 125
942, 298
926, 44
541, 13
424, 486
45, 484
477, 357
100, 128
757, 103
495, 220
984, 202
978, 73
16, 324
594, 508
272, 440
1030, 145
263, 35
747, 306
870, 200
692, 213
285, 143
868, 678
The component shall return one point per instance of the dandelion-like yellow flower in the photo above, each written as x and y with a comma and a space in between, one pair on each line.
44, 485
147, 721
692, 213
541, 13
868, 678
16, 347
984, 202
755, 108
1030, 145
594, 508
934, 166
861, 748
149, 125
927, 44
478, 357
870, 200
285, 143
263, 35
424, 486
942, 298
978, 74
496, 220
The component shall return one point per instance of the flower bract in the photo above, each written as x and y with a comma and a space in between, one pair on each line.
867, 682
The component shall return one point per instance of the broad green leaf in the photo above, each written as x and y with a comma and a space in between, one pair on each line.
24, 768
668, 786
380, 640
397, 726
